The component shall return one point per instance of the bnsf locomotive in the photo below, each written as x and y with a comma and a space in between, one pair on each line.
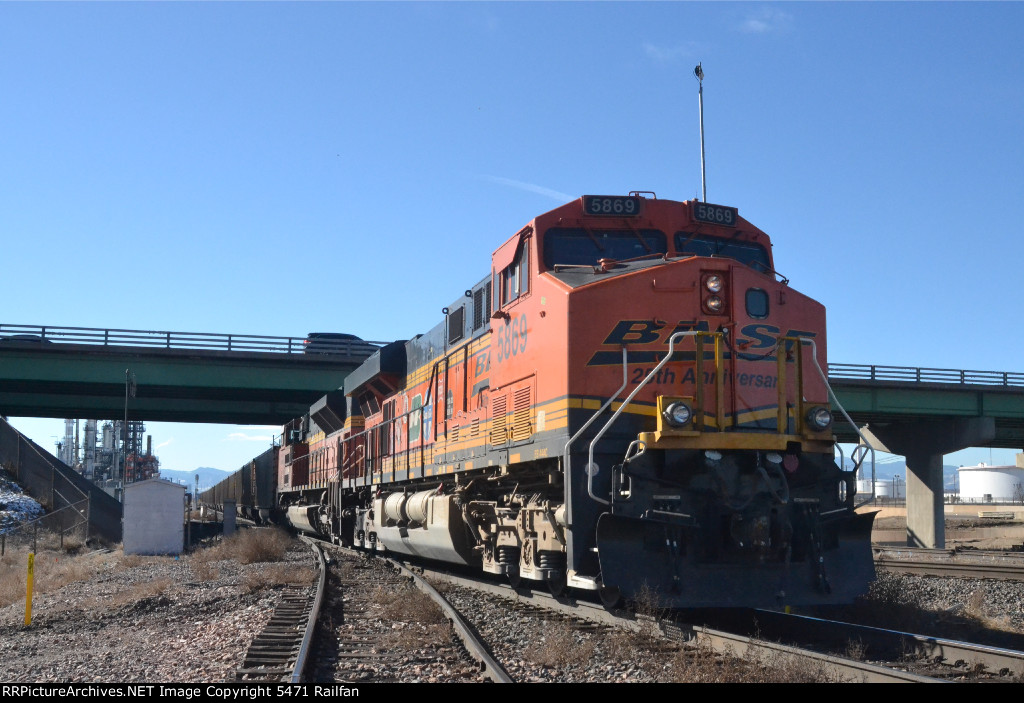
631, 402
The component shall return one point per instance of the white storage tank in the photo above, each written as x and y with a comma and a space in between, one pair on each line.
895, 489
991, 484
154, 517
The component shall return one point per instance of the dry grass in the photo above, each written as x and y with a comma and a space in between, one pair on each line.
409, 604
561, 646
700, 664
258, 545
895, 603
977, 609
52, 570
622, 644
278, 575
203, 570
648, 604
51, 542
148, 591
419, 622
251, 546
856, 650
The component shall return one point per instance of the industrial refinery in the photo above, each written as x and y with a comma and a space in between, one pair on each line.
110, 454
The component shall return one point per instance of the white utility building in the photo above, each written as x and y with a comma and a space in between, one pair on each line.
154, 517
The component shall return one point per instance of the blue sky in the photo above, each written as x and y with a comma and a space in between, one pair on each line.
278, 168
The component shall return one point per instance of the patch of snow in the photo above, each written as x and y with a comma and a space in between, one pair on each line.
15, 506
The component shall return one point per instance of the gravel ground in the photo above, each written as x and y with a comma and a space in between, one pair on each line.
537, 647
189, 620
984, 611
138, 619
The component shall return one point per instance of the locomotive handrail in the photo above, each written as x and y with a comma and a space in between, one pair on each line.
836, 403
627, 401
391, 426
567, 461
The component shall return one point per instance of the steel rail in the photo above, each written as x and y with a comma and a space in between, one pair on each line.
997, 660
281, 650
850, 670
953, 569
491, 668
314, 614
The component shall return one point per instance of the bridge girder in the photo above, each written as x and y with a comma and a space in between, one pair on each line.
885, 403
89, 382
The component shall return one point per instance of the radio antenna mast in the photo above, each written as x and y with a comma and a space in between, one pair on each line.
699, 73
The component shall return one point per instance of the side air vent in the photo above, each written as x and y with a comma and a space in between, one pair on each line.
456, 324
499, 405
478, 309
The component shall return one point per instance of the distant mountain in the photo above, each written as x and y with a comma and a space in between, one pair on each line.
208, 477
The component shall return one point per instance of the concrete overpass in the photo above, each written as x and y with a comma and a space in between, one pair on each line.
68, 372
923, 414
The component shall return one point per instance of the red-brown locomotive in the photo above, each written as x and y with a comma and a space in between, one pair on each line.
630, 402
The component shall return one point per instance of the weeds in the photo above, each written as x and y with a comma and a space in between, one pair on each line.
143, 593
277, 575
408, 604
420, 622
701, 664
856, 650
51, 571
203, 569
247, 547
977, 609
560, 646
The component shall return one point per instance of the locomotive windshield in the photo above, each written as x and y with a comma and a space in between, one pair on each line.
577, 246
753, 255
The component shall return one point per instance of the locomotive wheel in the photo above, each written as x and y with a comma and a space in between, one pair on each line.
515, 579
556, 584
611, 596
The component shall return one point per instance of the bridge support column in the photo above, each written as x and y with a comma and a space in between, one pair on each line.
924, 443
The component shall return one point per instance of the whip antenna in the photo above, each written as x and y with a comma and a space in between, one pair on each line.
699, 72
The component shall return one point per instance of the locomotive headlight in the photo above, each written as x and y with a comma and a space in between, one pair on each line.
713, 303
678, 414
713, 283
819, 418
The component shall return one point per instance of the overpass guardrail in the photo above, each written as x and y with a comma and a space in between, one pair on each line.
27, 335
907, 374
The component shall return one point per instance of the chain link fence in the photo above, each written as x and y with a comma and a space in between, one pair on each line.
71, 501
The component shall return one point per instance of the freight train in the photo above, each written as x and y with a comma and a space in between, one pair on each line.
631, 402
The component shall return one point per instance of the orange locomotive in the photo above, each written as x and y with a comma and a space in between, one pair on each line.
631, 402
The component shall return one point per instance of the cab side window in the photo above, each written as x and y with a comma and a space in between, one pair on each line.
515, 278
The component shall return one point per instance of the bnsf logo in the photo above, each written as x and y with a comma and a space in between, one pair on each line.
753, 337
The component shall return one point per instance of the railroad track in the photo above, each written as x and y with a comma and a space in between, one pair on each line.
935, 657
682, 634
473, 644
280, 651
1007, 566
378, 630
362, 636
